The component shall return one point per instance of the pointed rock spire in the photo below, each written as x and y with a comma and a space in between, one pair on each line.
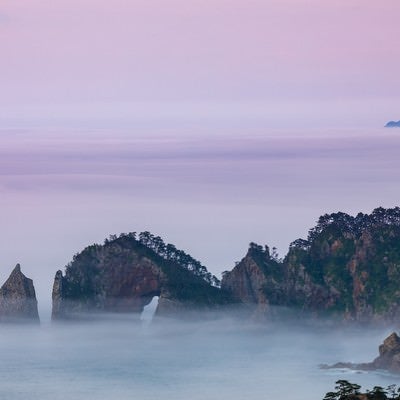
18, 298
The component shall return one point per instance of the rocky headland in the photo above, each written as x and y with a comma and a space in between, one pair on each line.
18, 299
348, 267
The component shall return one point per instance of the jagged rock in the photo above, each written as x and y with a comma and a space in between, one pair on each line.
248, 281
349, 267
389, 354
124, 274
388, 359
18, 299
261, 280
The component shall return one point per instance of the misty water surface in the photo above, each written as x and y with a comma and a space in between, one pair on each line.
221, 359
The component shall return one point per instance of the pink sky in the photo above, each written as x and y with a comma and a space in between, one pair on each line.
63, 58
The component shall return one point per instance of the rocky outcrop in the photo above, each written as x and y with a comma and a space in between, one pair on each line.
348, 267
388, 359
125, 273
264, 281
247, 281
18, 299
389, 354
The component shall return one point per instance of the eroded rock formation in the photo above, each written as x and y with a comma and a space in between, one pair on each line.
125, 273
18, 299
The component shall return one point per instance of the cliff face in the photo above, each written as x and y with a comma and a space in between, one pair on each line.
261, 280
18, 299
249, 280
125, 273
348, 266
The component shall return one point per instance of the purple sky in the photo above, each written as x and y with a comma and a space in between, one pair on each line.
210, 123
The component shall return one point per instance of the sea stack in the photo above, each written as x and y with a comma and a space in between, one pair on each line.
18, 299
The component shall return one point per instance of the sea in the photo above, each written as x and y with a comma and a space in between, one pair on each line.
120, 357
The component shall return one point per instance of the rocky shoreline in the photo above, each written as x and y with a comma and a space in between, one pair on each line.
388, 359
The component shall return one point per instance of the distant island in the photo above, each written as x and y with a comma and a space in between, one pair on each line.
393, 124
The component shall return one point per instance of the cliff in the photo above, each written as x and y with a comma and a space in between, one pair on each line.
348, 267
125, 273
249, 280
18, 299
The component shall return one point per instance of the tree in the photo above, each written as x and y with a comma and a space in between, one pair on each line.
378, 393
351, 391
331, 396
345, 388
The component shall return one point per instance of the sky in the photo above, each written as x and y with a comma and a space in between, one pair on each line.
210, 123
88, 61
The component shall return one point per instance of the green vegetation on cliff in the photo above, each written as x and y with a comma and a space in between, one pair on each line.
357, 257
347, 265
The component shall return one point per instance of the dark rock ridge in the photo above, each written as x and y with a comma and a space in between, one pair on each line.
388, 359
125, 273
393, 124
348, 267
18, 299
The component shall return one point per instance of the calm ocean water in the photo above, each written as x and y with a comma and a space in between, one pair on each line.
223, 359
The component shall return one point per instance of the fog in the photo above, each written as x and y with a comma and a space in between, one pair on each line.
208, 191
220, 358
